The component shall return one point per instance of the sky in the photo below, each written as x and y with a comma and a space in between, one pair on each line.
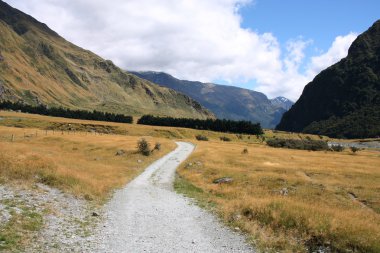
272, 46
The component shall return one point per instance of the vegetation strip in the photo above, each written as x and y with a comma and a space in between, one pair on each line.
219, 125
66, 113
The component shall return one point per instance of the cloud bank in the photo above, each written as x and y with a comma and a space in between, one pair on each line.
190, 39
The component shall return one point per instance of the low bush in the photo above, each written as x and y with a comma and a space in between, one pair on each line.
224, 138
157, 146
314, 145
354, 149
201, 137
143, 147
337, 148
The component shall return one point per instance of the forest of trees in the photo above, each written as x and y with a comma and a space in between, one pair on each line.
66, 113
219, 125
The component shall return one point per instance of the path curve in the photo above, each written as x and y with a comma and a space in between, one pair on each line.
148, 216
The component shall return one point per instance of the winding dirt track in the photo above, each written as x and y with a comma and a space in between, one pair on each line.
148, 216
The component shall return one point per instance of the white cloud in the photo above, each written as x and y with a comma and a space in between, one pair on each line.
190, 39
290, 80
337, 51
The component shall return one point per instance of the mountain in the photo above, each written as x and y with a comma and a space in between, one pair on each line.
227, 102
282, 102
344, 99
37, 66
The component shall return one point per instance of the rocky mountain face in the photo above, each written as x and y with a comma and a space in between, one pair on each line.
282, 102
227, 102
37, 66
344, 99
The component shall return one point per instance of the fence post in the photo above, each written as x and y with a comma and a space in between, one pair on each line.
13, 137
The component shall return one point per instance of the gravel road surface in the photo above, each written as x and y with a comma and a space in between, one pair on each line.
148, 216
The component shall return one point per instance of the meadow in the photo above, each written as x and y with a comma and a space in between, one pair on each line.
290, 200
83, 163
284, 200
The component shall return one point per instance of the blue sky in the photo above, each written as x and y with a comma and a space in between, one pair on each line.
272, 46
320, 20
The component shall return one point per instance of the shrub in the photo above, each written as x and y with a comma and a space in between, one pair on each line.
143, 147
224, 138
157, 146
354, 149
314, 145
201, 137
337, 148
245, 151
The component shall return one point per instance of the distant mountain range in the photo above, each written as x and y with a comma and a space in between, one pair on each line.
37, 66
226, 101
344, 99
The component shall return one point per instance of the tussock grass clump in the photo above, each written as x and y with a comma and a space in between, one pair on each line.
200, 137
143, 147
225, 138
28, 168
157, 146
305, 144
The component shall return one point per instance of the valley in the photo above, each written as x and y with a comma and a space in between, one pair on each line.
102, 156
276, 194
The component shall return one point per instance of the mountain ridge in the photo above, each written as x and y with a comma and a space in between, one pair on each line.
224, 101
344, 99
38, 66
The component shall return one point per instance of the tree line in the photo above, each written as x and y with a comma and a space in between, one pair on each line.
219, 125
66, 113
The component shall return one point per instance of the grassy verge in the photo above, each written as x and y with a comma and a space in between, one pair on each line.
185, 187
19, 229
290, 200
83, 164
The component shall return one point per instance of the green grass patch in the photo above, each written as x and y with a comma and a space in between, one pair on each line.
15, 233
184, 187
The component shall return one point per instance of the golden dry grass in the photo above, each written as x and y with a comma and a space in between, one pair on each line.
333, 198
26, 120
82, 163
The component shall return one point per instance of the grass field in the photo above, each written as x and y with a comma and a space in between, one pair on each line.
84, 164
285, 200
25, 120
290, 200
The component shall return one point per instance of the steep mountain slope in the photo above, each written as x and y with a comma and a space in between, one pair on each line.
225, 101
37, 66
282, 102
344, 99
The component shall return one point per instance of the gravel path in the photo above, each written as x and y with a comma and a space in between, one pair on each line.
148, 216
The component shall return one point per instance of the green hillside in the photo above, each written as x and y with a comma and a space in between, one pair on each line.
344, 99
37, 66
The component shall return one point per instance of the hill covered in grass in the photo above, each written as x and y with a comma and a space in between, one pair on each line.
37, 66
227, 102
344, 99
